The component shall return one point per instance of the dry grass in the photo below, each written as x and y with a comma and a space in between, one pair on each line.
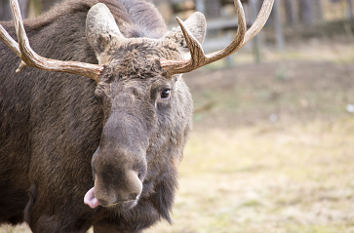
268, 178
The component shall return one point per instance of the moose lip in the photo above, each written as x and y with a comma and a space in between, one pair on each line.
93, 202
125, 204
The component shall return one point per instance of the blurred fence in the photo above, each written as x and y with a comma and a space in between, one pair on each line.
289, 19
286, 13
292, 11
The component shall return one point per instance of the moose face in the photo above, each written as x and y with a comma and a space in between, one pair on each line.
144, 108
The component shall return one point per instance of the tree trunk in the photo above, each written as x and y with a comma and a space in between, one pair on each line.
318, 10
290, 12
200, 5
212, 8
349, 9
306, 11
278, 26
256, 42
24, 7
5, 10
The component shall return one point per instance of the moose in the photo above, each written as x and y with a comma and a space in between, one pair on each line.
92, 130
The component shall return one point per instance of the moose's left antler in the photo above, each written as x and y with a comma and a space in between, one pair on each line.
31, 58
198, 57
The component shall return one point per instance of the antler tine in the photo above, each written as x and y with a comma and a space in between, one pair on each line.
31, 58
195, 48
260, 21
198, 58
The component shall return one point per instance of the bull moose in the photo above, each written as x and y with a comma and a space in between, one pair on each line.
91, 130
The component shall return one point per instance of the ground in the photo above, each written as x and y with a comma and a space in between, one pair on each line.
272, 148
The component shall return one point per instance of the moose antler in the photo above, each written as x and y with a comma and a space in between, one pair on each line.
31, 58
198, 57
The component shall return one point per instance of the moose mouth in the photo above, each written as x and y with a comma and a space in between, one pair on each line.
91, 200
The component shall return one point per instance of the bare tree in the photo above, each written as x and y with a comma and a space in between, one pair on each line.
278, 26
199, 5
212, 8
349, 9
256, 43
290, 12
306, 11
318, 10
5, 11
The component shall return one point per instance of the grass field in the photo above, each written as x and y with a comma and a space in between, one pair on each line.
268, 178
272, 148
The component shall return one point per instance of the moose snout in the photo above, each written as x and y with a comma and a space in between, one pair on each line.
117, 180
128, 189
127, 193
119, 164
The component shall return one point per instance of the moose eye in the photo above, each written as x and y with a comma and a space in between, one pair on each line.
165, 93
163, 96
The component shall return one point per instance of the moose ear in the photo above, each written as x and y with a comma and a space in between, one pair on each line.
195, 24
101, 28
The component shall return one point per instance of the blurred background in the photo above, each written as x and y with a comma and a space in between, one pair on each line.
272, 148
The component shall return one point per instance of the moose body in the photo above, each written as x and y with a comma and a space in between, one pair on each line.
77, 152
51, 124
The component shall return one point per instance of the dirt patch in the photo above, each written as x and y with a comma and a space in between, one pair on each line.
287, 90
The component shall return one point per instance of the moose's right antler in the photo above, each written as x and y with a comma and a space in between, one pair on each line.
31, 58
198, 57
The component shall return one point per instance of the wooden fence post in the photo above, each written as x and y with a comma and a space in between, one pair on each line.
5, 11
318, 10
349, 9
256, 42
200, 5
290, 12
278, 25
306, 11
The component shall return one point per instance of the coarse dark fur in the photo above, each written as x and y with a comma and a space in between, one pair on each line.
51, 124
